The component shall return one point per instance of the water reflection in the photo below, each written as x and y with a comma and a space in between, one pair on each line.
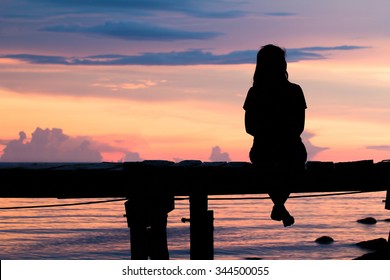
243, 229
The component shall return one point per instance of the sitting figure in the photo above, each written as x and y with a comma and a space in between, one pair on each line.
275, 117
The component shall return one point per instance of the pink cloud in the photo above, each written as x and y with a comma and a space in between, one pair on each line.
49, 145
218, 155
132, 156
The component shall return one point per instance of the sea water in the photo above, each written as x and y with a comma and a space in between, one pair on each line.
242, 228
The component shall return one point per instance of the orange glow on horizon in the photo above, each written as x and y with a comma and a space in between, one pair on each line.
342, 114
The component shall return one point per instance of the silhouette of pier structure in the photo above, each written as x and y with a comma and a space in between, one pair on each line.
151, 186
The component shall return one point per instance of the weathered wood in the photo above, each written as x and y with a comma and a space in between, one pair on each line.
147, 221
201, 228
150, 187
84, 180
147, 211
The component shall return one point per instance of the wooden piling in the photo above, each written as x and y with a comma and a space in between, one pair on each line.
387, 206
147, 220
201, 228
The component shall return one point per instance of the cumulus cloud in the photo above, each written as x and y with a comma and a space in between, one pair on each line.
188, 57
49, 145
131, 156
218, 155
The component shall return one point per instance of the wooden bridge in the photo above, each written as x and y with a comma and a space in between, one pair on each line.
150, 188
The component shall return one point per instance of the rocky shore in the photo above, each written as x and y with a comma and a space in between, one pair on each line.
379, 248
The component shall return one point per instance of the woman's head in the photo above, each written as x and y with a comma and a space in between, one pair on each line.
271, 65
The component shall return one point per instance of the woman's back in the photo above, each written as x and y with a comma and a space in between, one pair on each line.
275, 117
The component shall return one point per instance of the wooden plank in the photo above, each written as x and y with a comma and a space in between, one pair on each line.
151, 185
94, 180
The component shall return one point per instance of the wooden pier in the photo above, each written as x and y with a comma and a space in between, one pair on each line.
151, 186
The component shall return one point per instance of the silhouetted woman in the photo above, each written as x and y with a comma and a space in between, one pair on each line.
275, 117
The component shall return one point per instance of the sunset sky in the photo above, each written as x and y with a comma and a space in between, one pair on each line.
114, 80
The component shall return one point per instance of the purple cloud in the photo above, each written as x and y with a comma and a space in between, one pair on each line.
131, 156
379, 147
193, 8
280, 14
218, 155
49, 145
189, 57
135, 31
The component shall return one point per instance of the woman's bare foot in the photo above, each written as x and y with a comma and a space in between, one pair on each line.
280, 213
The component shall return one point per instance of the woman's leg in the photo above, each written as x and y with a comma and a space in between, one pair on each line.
279, 198
279, 211
287, 172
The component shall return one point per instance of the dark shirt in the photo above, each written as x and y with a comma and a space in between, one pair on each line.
275, 116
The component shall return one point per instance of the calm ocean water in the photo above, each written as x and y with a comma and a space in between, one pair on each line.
243, 229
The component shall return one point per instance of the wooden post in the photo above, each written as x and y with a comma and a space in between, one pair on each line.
147, 220
387, 206
388, 239
201, 228
387, 201
137, 226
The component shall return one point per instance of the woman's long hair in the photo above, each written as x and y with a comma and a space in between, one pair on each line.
271, 65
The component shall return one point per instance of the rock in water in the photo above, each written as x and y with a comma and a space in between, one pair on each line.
324, 240
382, 254
367, 221
374, 244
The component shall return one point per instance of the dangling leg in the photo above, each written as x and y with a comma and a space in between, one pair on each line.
286, 172
279, 211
